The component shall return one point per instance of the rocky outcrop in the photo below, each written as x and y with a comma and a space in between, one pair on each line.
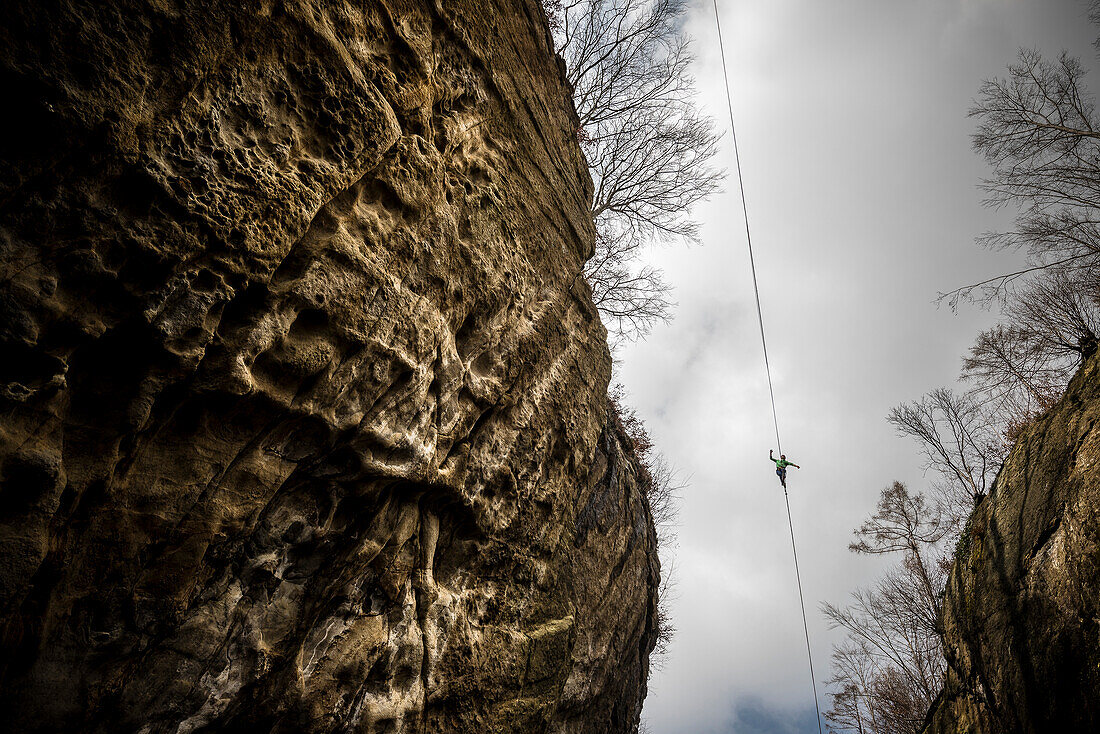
302, 399
1022, 610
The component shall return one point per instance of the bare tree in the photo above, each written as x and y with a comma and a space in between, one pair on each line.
1060, 313
648, 146
662, 484
1039, 131
666, 627
1021, 367
856, 669
631, 298
903, 523
963, 444
903, 664
891, 667
1011, 373
665, 488
894, 627
903, 707
848, 712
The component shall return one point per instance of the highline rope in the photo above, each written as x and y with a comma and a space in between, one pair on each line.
764, 344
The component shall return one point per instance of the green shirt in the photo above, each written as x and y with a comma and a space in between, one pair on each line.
781, 463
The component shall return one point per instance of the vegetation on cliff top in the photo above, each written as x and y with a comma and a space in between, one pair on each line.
662, 484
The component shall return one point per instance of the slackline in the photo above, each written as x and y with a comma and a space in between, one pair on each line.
764, 344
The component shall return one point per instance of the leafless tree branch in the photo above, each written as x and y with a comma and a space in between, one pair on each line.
648, 147
1038, 130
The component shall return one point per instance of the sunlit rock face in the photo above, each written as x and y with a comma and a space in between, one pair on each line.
1022, 611
302, 393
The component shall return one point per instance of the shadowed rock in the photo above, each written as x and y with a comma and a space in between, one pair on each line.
1023, 601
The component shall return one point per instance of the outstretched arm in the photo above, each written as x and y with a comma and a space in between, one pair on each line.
770, 451
796, 466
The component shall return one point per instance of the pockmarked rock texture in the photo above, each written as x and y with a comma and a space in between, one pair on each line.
303, 421
1022, 609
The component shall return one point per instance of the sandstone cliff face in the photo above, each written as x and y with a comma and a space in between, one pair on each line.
302, 396
1022, 610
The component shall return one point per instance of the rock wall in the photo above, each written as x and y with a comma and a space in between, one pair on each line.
1022, 610
302, 399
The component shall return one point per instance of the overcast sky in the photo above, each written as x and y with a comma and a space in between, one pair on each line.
862, 195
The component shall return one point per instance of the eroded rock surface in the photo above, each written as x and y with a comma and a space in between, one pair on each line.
1022, 611
302, 398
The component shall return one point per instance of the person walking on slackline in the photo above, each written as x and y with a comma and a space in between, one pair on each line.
781, 465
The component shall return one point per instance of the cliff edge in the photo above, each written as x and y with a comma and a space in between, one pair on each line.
303, 421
